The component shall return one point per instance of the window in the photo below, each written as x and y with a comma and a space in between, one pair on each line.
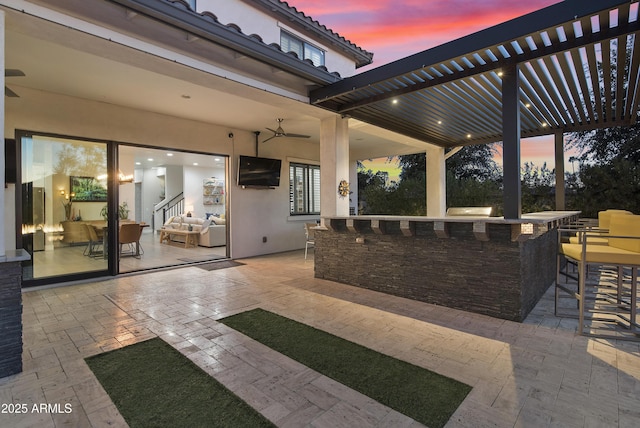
304, 50
304, 189
192, 4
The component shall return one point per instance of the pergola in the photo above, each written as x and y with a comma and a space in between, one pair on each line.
572, 66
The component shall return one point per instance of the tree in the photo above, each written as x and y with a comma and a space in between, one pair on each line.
81, 160
608, 174
475, 162
538, 188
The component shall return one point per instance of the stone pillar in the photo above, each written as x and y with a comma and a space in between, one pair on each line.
10, 316
334, 166
436, 182
2, 134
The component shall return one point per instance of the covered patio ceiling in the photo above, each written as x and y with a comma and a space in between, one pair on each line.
578, 64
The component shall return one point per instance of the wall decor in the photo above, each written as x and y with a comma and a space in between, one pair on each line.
87, 189
213, 191
343, 188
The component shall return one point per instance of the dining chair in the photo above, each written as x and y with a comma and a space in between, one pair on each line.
129, 235
310, 237
92, 249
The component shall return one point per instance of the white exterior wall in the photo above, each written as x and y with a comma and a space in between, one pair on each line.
254, 21
252, 213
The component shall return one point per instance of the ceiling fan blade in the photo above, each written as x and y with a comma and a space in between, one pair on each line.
297, 136
9, 93
270, 138
13, 72
272, 130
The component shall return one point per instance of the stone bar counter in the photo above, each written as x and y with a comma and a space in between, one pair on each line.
488, 265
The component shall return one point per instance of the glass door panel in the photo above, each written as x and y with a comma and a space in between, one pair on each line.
158, 185
64, 195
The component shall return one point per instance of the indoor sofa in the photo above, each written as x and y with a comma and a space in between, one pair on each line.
211, 233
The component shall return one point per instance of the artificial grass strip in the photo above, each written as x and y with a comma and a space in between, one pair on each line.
421, 394
154, 385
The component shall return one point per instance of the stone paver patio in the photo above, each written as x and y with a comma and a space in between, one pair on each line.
535, 374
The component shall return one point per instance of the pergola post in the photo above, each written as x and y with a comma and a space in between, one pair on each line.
560, 185
511, 143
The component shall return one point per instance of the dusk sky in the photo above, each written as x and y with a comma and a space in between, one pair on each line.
393, 29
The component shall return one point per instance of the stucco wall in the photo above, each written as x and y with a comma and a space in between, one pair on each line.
253, 213
253, 21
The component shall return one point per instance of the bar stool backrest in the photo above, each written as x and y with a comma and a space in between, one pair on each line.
625, 225
604, 217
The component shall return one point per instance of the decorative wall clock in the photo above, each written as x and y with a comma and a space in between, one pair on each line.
343, 188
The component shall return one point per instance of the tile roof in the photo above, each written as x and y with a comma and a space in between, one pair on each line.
294, 18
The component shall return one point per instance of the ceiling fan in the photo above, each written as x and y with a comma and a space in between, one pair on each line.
12, 72
279, 132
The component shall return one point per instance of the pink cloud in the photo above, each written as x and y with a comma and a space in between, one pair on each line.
393, 30
396, 29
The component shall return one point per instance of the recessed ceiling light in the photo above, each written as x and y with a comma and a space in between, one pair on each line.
169, 154
527, 105
544, 124
500, 73
195, 164
217, 159
439, 122
468, 135
138, 163
395, 101
150, 159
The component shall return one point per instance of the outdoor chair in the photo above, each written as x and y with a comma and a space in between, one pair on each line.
94, 246
610, 287
130, 236
601, 225
310, 237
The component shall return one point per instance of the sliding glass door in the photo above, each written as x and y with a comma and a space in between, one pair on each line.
73, 230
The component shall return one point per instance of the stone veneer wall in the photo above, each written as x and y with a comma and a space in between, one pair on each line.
10, 318
498, 277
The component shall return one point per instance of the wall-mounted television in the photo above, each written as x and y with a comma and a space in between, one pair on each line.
258, 172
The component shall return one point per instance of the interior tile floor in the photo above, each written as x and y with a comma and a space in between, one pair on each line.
65, 259
533, 374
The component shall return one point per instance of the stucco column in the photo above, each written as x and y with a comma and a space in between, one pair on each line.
334, 166
560, 189
436, 182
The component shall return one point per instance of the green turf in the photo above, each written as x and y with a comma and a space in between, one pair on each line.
154, 385
421, 394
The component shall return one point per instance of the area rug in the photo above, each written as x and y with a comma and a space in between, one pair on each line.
204, 258
219, 265
154, 385
423, 395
